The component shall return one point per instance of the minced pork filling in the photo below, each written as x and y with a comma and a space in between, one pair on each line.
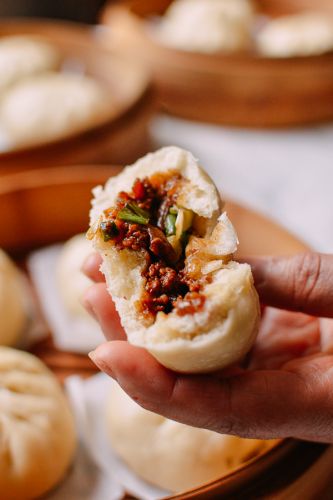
148, 220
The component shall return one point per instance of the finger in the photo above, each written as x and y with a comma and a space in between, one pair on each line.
91, 267
263, 405
283, 336
303, 282
99, 304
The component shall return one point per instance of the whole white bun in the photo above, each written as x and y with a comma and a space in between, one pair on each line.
70, 279
168, 454
37, 427
207, 25
297, 35
226, 327
53, 106
14, 312
23, 56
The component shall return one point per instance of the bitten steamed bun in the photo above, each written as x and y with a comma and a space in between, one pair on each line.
167, 249
168, 454
14, 312
37, 435
70, 279
207, 25
23, 56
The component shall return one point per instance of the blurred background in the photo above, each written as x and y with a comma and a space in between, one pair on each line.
88, 87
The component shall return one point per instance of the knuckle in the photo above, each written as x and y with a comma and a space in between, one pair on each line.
304, 274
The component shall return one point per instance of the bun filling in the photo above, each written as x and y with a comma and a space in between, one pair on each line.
148, 220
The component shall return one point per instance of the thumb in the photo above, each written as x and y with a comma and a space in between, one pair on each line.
303, 282
260, 404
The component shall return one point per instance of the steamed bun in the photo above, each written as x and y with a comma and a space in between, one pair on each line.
221, 325
37, 435
53, 106
168, 454
13, 302
208, 25
23, 56
297, 35
70, 279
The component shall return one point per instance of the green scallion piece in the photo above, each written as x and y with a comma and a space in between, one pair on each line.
137, 210
173, 211
109, 230
133, 213
170, 224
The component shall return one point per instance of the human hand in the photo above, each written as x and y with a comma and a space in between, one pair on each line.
285, 387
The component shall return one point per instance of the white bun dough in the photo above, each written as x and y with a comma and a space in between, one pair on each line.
53, 106
23, 56
225, 329
37, 436
168, 454
207, 25
70, 279
13, 302
297, 35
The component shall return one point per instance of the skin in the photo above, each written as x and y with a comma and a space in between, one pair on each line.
283, 388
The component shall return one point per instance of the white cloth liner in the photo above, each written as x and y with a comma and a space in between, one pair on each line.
97, 473
70, 332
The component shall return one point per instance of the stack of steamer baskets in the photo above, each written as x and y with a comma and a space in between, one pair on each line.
241, 89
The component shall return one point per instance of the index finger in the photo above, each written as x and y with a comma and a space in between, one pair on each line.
302, 282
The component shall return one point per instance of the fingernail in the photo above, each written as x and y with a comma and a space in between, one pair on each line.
93, 357
98, 359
